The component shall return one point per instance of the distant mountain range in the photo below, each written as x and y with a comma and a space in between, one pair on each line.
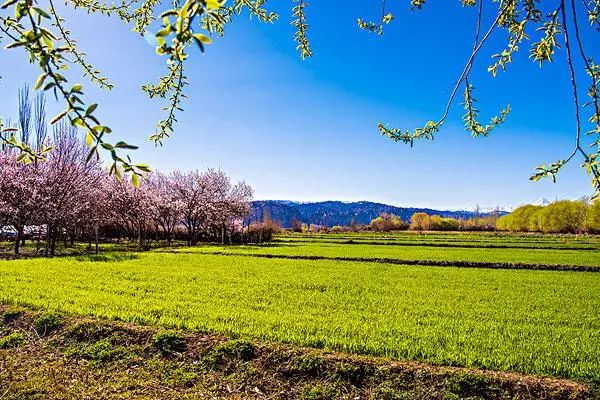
331, 213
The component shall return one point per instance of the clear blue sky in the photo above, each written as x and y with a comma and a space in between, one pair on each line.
307, 130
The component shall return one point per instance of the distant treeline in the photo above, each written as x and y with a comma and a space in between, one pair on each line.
564, 216
419, 221
580, 216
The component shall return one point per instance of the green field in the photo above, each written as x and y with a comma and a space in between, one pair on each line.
413, 253
535, 322
462, 239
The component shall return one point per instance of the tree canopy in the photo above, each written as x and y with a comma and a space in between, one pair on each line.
559, 217
547, 29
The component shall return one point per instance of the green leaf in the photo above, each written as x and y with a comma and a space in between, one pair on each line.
203, 38
14, 44
135, 180
41, 12
123, 145
40, 81
59, 116
213, 4
164, 32
89, 139
91, 109
8, 3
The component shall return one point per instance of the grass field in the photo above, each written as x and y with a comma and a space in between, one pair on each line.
535, 322
456, 239
422, 253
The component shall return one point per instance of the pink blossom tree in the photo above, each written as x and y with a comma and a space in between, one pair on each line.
68, 178
167, 207
20, 195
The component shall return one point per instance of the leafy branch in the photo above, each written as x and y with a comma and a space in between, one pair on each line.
472, 114
191, 22
301, 29
516, 16
94, 6
593, 11
173, 83
373, 27
88, 69
26, 155
45, 49
432, 127
591, 162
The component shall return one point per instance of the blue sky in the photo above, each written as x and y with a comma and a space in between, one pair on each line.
306, 130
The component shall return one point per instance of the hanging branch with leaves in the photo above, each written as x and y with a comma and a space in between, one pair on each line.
432, 127
301, 26
376, 27
519, 18
88, 69
40, 31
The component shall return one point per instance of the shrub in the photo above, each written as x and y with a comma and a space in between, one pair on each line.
592, 221
296, 225
12, 341
559, 217
90, 331
337, 229
472, 386
387, 392
234, 349
259, 232
99, 353
320, 391
9, 316
437, 223
308, 364
563, 217
388, 222
420, 221
169, 342
46, 323
354, 374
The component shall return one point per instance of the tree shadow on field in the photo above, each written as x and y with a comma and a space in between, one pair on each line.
249, 246
108, 257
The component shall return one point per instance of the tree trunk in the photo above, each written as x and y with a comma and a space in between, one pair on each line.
96, 237
53, 242
193, 236
18, 240
242, 238
48, 238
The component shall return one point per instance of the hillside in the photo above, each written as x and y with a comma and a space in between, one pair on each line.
330, 213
